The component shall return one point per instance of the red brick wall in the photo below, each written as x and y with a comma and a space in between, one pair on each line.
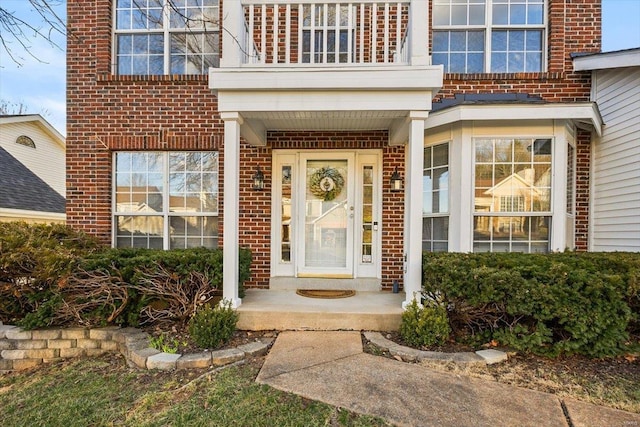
583, 169
107, 112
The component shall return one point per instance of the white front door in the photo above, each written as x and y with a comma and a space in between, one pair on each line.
326, 214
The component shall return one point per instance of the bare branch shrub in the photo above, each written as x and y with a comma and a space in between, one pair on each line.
93, 297
170, 296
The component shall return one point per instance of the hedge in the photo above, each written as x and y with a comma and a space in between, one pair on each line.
550, 304
52, 275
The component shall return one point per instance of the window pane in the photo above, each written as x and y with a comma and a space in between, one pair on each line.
500, 14
139, 231
499, 41
535, 14
441, 15
459, 14
516, 40
476, 14
458, 41
518, 14
476, 41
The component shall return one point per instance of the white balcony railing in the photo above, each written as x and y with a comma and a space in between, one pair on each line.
326, 32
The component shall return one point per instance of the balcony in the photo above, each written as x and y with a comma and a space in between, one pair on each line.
326, 33
302, 64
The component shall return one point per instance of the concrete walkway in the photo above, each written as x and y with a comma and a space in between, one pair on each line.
331, 367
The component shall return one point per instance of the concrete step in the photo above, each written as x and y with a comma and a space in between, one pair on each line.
285, 310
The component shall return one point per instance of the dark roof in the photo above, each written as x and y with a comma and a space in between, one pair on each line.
22, 189
486, 98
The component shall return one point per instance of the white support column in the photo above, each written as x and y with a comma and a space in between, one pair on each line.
413, 207
419, 32
234, 35
559, 188
230, 277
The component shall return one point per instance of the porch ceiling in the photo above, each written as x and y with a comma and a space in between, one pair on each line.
325, 120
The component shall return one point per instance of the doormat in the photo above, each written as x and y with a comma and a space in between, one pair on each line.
325, 293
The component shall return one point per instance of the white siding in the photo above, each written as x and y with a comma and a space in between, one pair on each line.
616, 161
47, 160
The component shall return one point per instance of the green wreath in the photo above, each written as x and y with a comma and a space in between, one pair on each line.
326, 183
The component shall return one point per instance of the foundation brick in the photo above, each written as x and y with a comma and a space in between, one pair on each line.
103, 334
61, 344
109, 345
87, 343
30, 344
75, 334
46, 334
17, 334
72, 352
7, 345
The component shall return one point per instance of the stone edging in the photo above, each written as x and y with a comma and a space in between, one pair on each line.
20, 349
486, 357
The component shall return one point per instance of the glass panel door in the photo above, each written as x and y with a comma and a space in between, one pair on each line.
328, 217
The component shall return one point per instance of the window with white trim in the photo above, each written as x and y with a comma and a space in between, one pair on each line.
481, 36
512, 195
154, 37
166, 200
435, 209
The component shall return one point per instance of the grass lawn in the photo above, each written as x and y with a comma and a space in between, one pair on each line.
103, 391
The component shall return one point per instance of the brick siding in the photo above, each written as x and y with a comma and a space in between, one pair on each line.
107, 112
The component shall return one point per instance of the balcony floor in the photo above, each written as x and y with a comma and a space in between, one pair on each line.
285, 310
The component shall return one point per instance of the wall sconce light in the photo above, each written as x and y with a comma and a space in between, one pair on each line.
258, 179
396, 181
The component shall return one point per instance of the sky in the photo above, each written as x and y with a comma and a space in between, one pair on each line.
40, 84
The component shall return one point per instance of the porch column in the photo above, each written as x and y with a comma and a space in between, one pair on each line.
413, 207
230, 277
419, 33
234, 34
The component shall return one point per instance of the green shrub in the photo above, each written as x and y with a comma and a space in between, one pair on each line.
34, 261
424, 327
212, 327
551, 304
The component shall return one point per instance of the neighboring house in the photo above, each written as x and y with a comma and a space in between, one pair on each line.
32, 166
337, 140
615, 166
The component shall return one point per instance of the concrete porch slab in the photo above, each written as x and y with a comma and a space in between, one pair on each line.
285, 310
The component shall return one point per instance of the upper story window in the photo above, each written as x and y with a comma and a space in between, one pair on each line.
482, 36
155, 37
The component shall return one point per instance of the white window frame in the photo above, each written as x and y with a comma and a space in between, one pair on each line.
432, 215
516, 214
166, 212
488, 27
166, 31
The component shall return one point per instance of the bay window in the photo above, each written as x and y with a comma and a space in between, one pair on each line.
489, 36
166, 200
154, 37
